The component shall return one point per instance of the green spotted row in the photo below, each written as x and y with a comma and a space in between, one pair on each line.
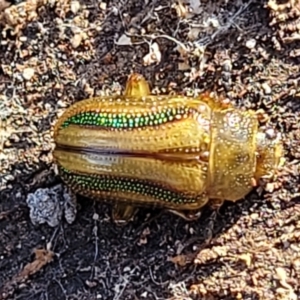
120, 184
112, 120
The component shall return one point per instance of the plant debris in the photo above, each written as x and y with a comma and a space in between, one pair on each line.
42, 258
49, 205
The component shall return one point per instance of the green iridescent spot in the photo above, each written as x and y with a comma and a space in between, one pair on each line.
109, 120
122, 184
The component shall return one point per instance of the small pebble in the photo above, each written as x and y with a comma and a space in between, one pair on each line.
28, 73
75, 6
250, 44
267, 89
76, 40
103, 5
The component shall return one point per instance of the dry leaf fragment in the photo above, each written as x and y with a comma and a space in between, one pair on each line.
182, 259
42, 258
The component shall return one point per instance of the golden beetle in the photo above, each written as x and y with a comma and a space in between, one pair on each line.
175, 152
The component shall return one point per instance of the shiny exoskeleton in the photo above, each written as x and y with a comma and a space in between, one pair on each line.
175, 152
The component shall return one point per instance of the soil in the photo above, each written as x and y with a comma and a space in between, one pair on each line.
54, 53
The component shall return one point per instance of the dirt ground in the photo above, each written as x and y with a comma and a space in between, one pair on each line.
53, 53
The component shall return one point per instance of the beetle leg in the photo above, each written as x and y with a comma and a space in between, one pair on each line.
215, 103
216, 203
137, 86
190, 215
122, 213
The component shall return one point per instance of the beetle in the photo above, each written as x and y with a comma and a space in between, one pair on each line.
174, 152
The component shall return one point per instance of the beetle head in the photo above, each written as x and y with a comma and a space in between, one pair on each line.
269, 153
